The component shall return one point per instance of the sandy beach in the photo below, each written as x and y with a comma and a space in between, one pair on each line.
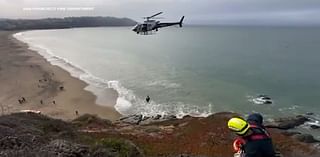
29, 82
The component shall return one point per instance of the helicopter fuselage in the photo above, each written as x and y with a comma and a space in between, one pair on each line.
150, 25
147, 26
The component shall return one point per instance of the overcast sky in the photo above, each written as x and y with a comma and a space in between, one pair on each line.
244, 12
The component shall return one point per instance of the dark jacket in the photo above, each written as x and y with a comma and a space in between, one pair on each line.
259, 143
259, 148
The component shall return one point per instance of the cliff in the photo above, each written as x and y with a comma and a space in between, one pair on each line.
29, 134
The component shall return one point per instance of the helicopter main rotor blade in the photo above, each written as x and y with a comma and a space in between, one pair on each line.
158, 18
155, 15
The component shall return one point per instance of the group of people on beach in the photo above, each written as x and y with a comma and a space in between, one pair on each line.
22, 100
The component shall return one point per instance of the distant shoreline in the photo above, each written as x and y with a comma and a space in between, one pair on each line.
50, 89
62, 23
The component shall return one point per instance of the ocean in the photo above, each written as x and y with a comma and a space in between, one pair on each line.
196, 70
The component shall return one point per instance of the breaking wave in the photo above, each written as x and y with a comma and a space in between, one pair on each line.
127, 102
164, 83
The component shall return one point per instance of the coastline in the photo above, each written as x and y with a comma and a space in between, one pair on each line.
25, 73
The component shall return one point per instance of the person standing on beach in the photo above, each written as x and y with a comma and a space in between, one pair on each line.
23, 99
147, 99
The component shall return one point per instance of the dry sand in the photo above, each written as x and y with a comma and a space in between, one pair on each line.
25, 73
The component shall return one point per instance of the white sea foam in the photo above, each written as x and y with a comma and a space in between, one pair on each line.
290, 108
164, 83
127, 102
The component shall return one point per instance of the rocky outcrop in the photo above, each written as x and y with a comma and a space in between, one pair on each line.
144, 120
306, 138
37, 135
314, 126
288, 123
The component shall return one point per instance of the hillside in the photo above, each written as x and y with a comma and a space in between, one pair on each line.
60, 23
28, 134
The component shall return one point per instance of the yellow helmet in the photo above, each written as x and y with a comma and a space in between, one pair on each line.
238, 125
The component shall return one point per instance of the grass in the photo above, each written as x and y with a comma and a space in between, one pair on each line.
117, 145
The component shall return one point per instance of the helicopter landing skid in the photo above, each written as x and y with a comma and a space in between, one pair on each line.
147, 33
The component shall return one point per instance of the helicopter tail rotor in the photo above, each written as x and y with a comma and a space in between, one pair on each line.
181, 21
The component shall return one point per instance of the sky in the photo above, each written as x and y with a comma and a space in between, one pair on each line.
229, 12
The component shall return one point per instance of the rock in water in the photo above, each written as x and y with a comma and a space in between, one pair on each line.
288, 123
315, 127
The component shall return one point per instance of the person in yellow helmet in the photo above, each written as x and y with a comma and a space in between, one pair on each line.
254, 140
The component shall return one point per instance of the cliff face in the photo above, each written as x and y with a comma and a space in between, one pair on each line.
205, 137
36, 135
59, 23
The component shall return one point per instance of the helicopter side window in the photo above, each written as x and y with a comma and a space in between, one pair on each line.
144, 27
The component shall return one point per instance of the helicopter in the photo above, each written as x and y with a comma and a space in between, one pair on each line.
150, 25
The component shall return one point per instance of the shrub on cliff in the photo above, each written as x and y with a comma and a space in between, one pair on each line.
116, 147
91, 121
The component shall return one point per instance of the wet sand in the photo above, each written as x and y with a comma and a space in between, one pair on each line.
46, 88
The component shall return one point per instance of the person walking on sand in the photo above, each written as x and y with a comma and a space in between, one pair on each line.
23, 99
147, 99
254, 140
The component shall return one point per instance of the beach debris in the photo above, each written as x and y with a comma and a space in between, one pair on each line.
41, 102
54, 102
61, 88
30, 111
77, 113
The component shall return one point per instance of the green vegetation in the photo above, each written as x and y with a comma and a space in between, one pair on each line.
120, 146
88, 120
